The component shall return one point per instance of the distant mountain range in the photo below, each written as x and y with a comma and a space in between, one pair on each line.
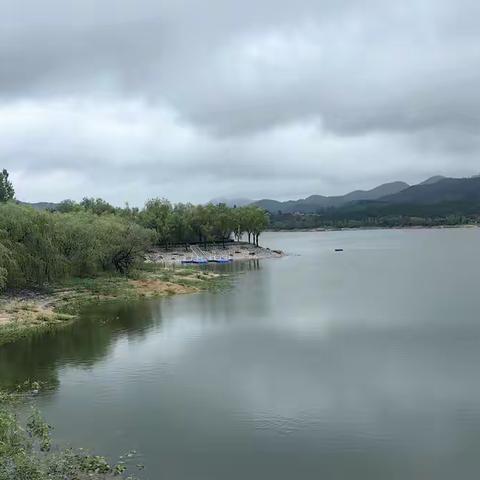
438, 201
444, 190
319, 202
434, 190
431, 180
437, 189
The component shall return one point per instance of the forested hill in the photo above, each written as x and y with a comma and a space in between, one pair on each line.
444, 190
434, 190
315, 203
437, 201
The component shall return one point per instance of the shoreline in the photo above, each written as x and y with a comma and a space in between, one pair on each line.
233, 252
348, 229
27, 311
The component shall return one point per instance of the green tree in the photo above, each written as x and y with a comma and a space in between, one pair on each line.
254, 220
7, 191
123, 243
158, 216
223, 219
98, 206
259, 222
44, 247
67, 206
182, 228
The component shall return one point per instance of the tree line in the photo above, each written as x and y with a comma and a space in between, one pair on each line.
182, 223
382, 216
90, 237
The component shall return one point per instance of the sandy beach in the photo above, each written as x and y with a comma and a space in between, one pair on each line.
236, 251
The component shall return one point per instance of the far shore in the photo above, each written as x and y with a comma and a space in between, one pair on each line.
406, 227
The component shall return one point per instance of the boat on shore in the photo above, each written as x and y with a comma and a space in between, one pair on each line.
224, 260
200, 261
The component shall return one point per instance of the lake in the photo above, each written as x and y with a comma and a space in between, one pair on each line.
361, 364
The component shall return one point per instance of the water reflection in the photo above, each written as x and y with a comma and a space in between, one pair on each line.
82, 343
102, 326
360, 365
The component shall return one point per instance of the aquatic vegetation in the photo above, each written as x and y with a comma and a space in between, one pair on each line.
27, 451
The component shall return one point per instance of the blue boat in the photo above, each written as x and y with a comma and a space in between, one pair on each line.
224, 260
200, 261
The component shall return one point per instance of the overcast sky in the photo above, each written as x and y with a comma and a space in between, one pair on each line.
193, 100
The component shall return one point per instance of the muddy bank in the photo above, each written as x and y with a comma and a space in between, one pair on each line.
23, 312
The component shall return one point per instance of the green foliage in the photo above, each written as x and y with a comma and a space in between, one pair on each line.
39, 429
380, 215
97, 206
158, 216
26, 453
186, 223
84, 239
7, 192
37, 248
251, 220
68, 206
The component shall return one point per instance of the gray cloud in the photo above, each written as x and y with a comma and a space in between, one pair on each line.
197, 99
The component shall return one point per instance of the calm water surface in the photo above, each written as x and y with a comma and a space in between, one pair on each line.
356, 365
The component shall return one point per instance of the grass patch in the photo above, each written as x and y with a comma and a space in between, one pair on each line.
26, 313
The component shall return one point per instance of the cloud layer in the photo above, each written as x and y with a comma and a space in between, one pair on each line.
194, 100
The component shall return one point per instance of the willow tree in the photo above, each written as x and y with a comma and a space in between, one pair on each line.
182, 224
38, 248
158, 216
259, 221
253, 221
30, 246
224, 222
